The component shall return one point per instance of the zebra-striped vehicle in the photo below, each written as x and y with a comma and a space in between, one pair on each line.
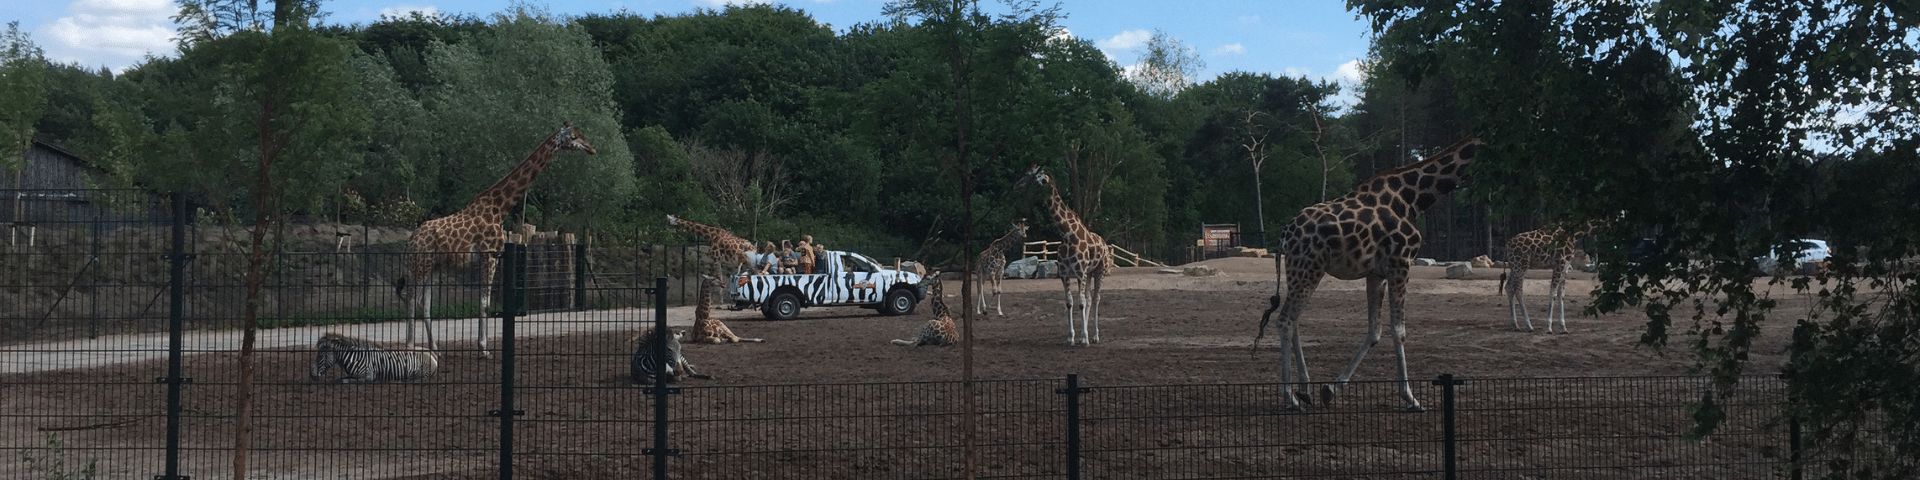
368, 361
845, 279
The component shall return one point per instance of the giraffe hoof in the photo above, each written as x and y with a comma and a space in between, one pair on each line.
1303, 398
1326, 394
1416, 408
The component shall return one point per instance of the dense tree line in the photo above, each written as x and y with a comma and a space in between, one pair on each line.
756, 117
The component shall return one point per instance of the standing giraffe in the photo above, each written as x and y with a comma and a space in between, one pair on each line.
728, 254
1084, 258
472, 236
992, 266
1366, 234
1544, 248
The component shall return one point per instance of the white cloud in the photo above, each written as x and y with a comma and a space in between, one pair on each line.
403, 10
1230, 49
1126, 40
111, 33
1350, 72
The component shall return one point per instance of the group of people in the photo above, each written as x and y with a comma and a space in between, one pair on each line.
786, 258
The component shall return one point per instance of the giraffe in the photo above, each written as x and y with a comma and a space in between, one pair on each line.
707, 329
1551, 247
1366, 234
472, 236
992, 266
938, 332
728, 254
1084, 259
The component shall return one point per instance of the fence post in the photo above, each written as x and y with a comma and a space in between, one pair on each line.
512, 299
1793, 432
660, 390
1073, 392
1449, 456
176, 329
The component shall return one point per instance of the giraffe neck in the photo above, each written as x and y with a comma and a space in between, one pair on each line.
1005, 242
1412, 189
1064, 218
493, 203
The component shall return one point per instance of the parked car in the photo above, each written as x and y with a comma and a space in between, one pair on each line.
1805, 251
844, 278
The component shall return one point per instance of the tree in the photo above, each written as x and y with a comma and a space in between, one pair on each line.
499, 94
1166, 66
1729, 129
23, 95
270, 114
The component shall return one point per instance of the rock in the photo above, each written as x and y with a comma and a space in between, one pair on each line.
1459, 270
1253, 252
1169, 271
1482, 262
1201, 271
1033, 267
1425, 262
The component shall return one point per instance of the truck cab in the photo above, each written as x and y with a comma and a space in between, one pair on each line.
843, 279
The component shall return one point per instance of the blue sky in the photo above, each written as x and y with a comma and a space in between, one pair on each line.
1318, 39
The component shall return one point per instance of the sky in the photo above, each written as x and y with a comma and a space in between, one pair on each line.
1317, 39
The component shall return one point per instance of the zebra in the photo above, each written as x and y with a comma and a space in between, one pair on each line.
367, 361
642, 369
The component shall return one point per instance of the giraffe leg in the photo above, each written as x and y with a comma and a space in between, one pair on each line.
1557, 297
996, 297
486, 295
1520, 297
1513, 286
1073, 334
1293, 357
1093, 309
1376, 289
1397, 302
426, 315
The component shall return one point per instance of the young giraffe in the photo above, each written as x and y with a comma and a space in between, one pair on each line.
472, 236
1366, 234
1544, 248
707, 329
1084, 258
991, 268
938, 332
728, 254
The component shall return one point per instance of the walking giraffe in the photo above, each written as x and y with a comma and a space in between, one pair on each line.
1544, 248
1366, 234
1084, 259
992, 266
728, 254
472, 236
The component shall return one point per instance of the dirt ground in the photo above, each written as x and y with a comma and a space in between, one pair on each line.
1155, 329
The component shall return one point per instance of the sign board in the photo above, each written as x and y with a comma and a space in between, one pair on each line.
1218, 236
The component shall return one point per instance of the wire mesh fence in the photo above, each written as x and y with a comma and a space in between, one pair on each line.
87, 381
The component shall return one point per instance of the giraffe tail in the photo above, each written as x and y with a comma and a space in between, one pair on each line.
1273, 303
1503, 284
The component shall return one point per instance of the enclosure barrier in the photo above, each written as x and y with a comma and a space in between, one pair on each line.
96, 381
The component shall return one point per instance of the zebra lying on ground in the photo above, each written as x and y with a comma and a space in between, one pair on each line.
642, 369
367, 361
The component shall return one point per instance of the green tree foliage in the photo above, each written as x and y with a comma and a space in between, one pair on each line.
1242, 115
664, 172
1726, 129
23, 95
498, 95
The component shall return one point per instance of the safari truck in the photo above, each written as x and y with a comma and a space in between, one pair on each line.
843, 279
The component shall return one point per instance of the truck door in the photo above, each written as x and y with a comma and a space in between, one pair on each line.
857, 279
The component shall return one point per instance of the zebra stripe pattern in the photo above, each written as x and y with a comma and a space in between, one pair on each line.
642, 372
365, 361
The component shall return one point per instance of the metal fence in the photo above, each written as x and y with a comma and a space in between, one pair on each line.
129, 372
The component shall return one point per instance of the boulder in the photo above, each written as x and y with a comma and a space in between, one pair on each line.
1482, 262
1459, 270
1201, 271
1425, 262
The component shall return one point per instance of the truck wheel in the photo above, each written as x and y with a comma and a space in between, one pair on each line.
900, 301
783, 306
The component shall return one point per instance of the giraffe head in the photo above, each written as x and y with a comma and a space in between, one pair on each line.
568, 138
1035, 176
673, 221
1019, 229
